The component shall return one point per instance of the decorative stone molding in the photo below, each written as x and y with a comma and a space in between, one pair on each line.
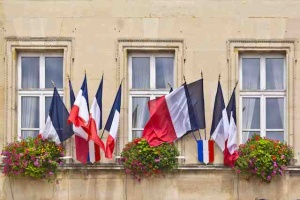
13, 45
125, 45
237, 46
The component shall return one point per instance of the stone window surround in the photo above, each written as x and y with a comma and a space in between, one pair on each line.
237, 46
13, 45
126, 45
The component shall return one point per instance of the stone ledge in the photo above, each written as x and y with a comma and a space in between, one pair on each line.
193, 167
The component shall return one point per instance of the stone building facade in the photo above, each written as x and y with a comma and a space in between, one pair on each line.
98, 36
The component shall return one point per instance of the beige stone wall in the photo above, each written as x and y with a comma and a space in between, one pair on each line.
115, 185
205, 26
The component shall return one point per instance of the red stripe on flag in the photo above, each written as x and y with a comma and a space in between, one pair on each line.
159, 128
82, 149
110, 146
74, 117
94, 135
97, 153
211, 150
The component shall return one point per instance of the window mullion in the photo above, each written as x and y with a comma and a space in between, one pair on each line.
42, 112
42, 71
263, 116
130, 119
152, 72
263, 77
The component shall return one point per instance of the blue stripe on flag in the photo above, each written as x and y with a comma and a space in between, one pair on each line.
200, 150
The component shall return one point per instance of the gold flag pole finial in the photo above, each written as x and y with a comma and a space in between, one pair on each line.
219, 77
53, 83
201, 74
184, 78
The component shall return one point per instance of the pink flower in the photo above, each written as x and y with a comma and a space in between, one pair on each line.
282, 156
157, 160
269, 178
50, 173
238, 171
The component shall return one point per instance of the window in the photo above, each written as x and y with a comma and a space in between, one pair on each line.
35, 89
149, 77
263, 96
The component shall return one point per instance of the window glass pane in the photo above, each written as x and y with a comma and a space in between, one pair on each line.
140, 112
274, 73
30, 114
251, 113
140, 73
274, 113
136, 134
26, 134
275, 135
30, 72
164, 72
248, 135
251, 73
47, 106
54, 72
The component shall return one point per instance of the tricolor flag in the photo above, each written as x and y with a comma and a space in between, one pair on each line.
205, 151
57, 129
171, 117
112, 124
95, 124
230, 152
220, 124
81, 145
197, 99
85, 150
79, 114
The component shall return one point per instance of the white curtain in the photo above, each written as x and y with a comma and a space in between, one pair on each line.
248, 113
30, 105
140, 73
275, 78
140, 113
30, 116
164, 72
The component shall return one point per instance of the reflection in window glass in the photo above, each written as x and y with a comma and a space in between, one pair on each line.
54, 72
30, 72
251, 73
140, 73
164, 72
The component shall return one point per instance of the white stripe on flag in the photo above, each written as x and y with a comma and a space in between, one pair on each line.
96, 113
232, 135
82, 105
80, 132
205, 152
92, 151
178, 109
221, 132
114, 125
49, 131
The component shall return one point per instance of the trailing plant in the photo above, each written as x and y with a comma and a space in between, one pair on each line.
263, 158
32, 157
140, 160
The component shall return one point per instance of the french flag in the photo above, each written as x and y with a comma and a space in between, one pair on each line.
171, 117
230, 151
205, 151
112, 125
220, 123
56, 127
79, 114
95, 124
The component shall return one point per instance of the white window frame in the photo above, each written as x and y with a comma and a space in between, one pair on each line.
40, 92
151, 93
263, 94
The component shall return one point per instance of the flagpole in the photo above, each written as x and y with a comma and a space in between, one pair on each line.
203, 97
53, 83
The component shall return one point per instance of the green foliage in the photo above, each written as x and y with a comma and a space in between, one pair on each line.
33, 157
140, 160
263, 158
